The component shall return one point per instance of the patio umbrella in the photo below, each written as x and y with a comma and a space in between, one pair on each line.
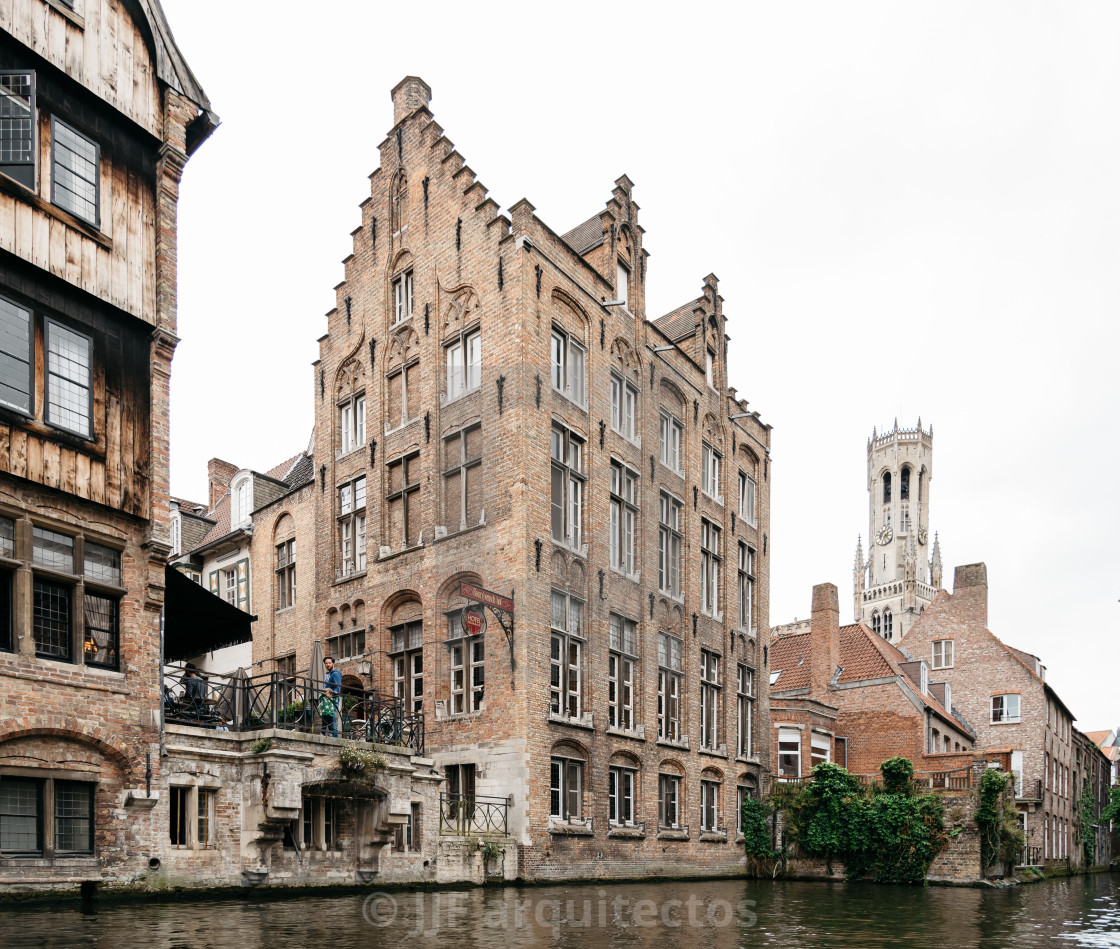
315, 673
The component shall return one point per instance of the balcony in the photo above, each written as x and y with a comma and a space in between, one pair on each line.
472, 815
1030, 857
240, 703
1029, 791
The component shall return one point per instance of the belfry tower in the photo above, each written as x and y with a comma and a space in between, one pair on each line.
896, 582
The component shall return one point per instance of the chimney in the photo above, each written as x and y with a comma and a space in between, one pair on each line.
219, 473
970, 594
824, 637
410, 94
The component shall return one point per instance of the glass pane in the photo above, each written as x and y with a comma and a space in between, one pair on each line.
103, 564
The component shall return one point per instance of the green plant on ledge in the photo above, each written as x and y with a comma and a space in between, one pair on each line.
490, 850
358, 761
260, 746
1001, 837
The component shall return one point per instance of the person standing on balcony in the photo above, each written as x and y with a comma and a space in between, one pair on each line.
332, 690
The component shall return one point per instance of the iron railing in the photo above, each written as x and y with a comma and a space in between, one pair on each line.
958, 780
1030, 790
240, 703
467, 815
1030, 857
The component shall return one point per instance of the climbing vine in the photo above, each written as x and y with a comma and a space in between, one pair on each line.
1001, 837
1088, 821
762, 859
888, 831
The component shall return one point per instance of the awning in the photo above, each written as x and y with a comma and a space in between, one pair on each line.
195, 621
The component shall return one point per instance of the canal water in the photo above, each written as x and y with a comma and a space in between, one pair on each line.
1082, 911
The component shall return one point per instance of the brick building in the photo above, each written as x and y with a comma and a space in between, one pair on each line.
100, 114
493, 407
846, 695
1003, 695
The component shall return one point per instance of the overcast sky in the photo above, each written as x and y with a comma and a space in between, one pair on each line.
912, 209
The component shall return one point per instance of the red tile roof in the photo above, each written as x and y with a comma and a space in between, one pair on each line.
1097, 737
791, 654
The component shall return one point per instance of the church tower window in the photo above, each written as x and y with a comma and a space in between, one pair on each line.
887, 488
904, 487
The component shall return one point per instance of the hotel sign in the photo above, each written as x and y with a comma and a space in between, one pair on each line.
479, 595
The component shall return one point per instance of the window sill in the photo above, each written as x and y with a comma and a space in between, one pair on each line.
580, 551
672, 598
347, 454
681, 743
32, 198
624, 832
570, 828
637, 734
445, 400
670, 833
632, 442
719, 752
1010, 721
635, 577
582, 406
355, 576
450, 535
749, 759
77, 862
586, 721
288, 609
402, 426
713, 837
387, 553
715, 499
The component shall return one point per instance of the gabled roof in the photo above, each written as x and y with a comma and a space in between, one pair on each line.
196, 508
680, 322
863, 655
1097, 738
586, 236
280, 472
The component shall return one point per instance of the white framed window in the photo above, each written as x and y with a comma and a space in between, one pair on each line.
622, 786
710, 369
748, 499
820, 749
567, 487
744, 712
710, 562
352, 526
943, 654
789, 753
709, 807
669, 545
622, 284
746, 587
407, 654
624, 406
568, 359
709, 700
669, 649
402, 297
622, 665
566, 665
668, 801
624, 517
566, 799
75, 172
352, 423
242, 493
710, 461
671, 433
468, 667
464, 364
192, 818
1005, 708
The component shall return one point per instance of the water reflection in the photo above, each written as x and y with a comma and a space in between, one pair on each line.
717, 914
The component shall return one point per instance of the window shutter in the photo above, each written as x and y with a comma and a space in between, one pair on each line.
214, 582
243, 584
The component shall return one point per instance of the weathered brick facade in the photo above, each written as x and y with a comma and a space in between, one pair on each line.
87, 290
436, 463
1002, 694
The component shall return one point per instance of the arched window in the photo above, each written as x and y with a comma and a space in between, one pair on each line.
904, 488
622, 790
400, 203
876, 622
568, 777
406, 652
887, 487
888, 623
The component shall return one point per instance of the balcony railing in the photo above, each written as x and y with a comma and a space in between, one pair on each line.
1030, 790
959, 780
239, 703
467, 815
1030, 857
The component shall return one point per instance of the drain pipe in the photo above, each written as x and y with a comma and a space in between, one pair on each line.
162, 736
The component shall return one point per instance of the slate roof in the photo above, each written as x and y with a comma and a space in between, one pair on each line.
586, 236
280, 472
680, 322
190, 507
301, 472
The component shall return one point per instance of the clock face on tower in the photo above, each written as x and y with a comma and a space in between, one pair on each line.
884, 536
922, 536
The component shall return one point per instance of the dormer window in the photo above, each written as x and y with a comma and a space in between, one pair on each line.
242, 497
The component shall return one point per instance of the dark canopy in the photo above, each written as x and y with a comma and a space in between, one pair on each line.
196, 621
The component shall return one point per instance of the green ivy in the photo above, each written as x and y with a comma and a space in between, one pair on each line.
1112, 809
1001, 837
755, 832
1088, 821
888, 831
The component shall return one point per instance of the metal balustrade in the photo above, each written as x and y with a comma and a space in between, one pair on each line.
240, 703
468, 815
